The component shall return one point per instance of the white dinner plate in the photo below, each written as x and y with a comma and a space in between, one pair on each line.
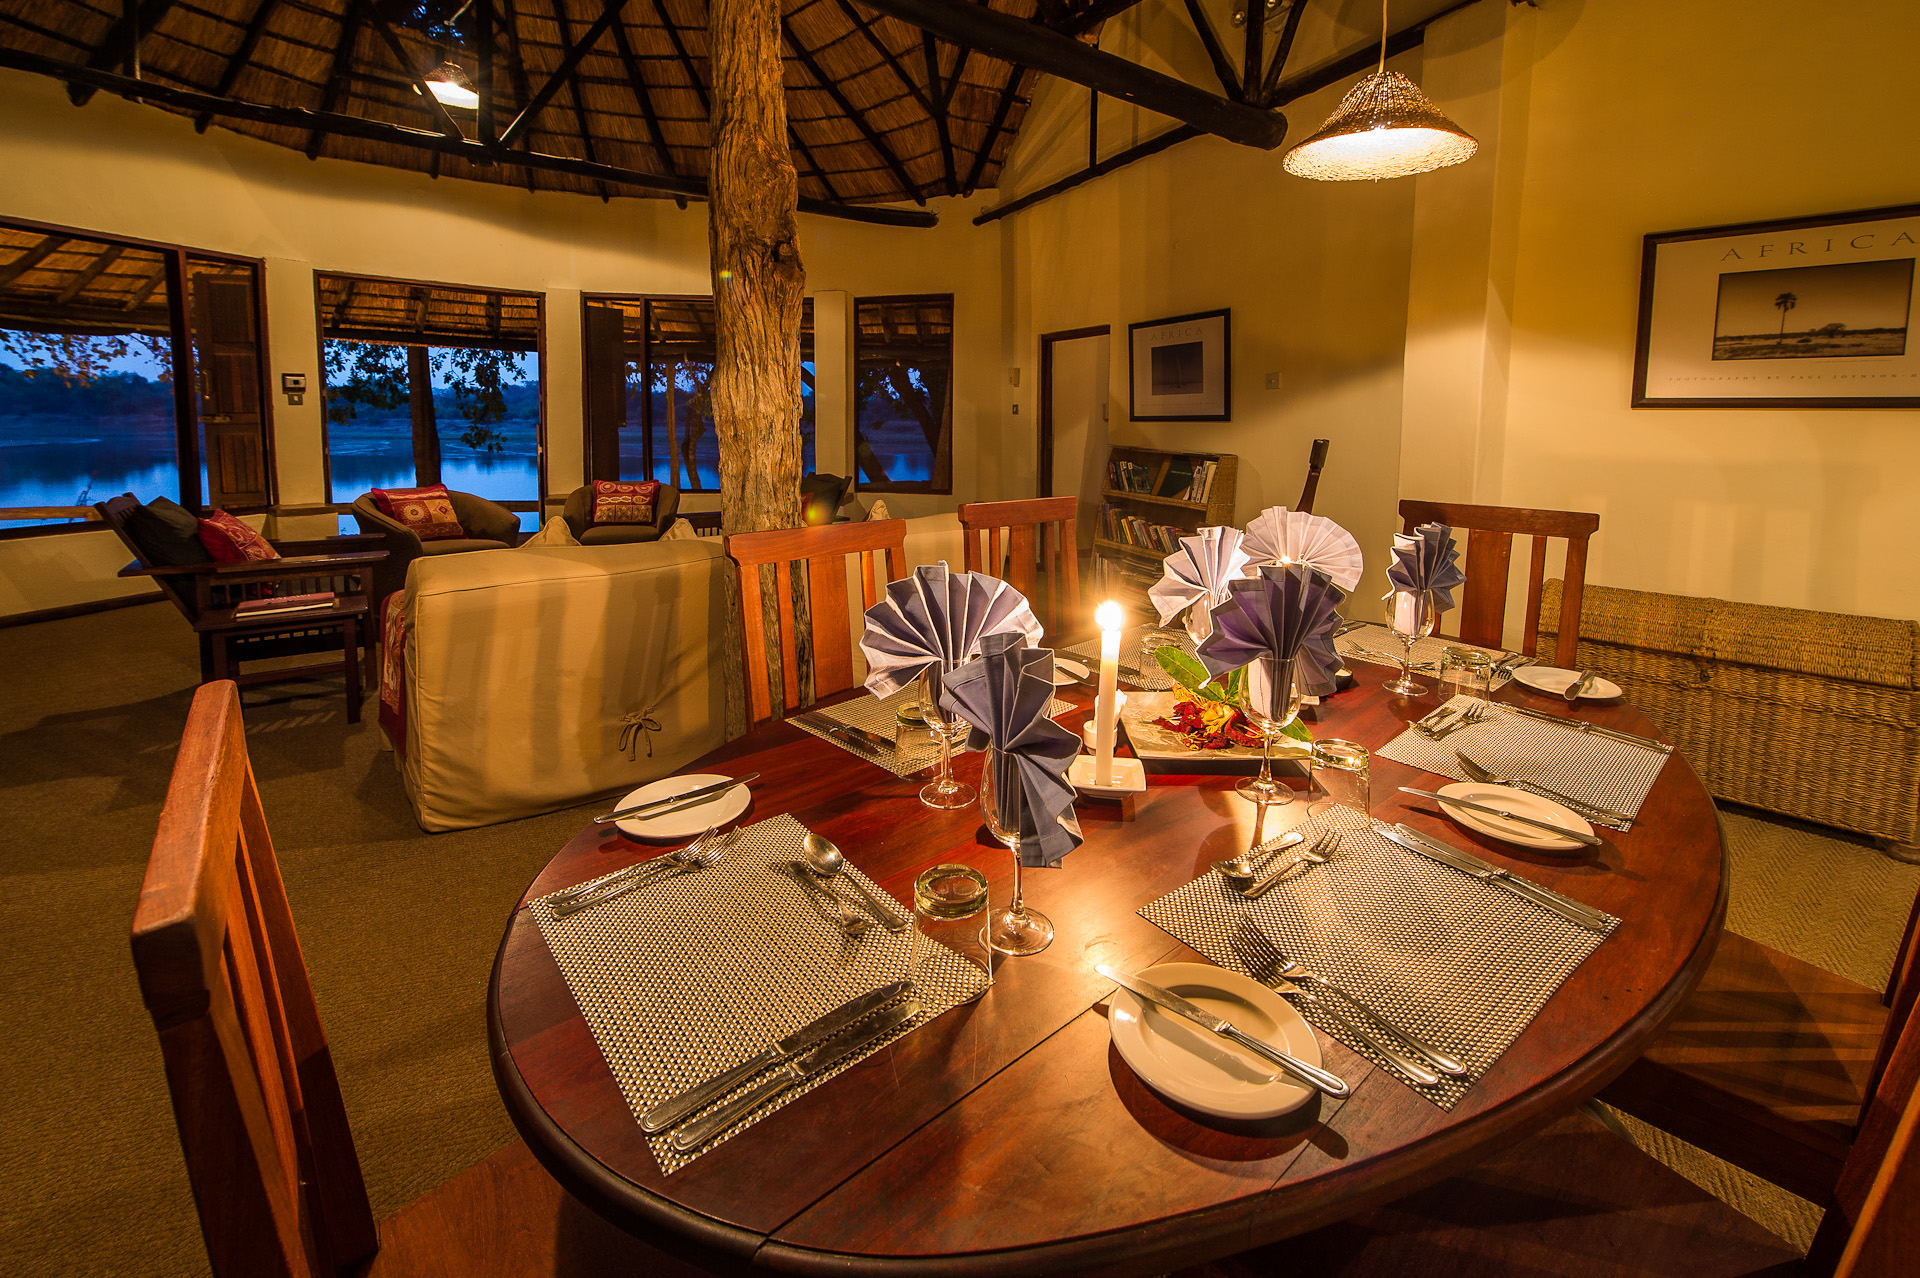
1067, 672
1522, 802
687, 822
1554, 682
1199, 1069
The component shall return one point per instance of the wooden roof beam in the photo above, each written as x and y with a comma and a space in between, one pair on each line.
930, 49
985, 153
1031, 45
337, 73
31, 258
145, 291
1253, 69
638, 83
434, 107
1265, 96
325, 123
1095, 14
236, 64
573, 95
874, 140
1210, 40
95, 269
564, 72
887, 56
686, 59
123, 40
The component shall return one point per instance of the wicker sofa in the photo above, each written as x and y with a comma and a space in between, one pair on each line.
1810, 714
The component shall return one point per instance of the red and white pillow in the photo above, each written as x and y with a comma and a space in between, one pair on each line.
619, 502
231, 541
426, 512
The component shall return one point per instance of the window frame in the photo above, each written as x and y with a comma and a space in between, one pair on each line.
188, 456
911, 486
542, 499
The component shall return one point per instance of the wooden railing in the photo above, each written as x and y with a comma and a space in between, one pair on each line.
48, 512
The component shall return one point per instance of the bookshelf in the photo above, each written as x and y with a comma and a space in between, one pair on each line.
1147, 504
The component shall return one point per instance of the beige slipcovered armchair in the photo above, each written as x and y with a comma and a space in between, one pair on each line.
578, 512
489, 526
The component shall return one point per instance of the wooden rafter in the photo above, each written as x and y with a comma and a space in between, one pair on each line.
887, 55
106, 257
806, 153
930, 49
339, 69
564, 72
122, 42
145, 290
485, 40
31, 258
1280, 54
573, 94
686, 59
1253, 67
1210, 40
433, 106
242, 56
985, 153
643, 97
853, 113
1095, 14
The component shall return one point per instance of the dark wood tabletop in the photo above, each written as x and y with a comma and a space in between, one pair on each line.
1007, 1136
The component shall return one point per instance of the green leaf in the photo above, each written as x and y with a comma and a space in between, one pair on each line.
1183, 669
1299, 731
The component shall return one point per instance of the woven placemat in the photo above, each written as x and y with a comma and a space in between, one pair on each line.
1461, 964
1540, 757
913, 747
691, 974
1378, 645
1136, 668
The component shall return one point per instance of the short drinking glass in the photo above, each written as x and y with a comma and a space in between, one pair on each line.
1339, 777
950, 922
1466, 671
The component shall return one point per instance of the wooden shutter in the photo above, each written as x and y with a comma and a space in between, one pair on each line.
226, 345
606, 398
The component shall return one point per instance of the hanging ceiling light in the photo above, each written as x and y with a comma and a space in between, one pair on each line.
450, 85
1384, 128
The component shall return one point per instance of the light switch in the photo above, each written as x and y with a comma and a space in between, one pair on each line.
1016, 410
1273, 381
1013, 377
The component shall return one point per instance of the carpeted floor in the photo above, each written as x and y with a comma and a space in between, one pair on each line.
399, 930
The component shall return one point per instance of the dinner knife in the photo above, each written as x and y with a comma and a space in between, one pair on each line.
1473, 867
1581, 725
1579, 685
808, 1036
1312, 1075
651, 807
1548, 826
844, 733
850, 1042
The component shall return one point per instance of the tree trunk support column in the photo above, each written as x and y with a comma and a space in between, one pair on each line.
753, 237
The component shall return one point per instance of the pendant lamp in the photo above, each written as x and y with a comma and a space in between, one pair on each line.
450, 85
1384, 128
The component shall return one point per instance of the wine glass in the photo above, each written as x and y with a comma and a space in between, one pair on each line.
1413, 618
1016, 929
1271, 706
943, 791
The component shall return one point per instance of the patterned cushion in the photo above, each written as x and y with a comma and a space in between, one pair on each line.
426, 512
230, 541
616, 502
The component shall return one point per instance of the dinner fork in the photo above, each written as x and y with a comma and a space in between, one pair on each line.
1268, 966
1487, 776
661, 862
1319, 854
851, 925
695, 856
1467, 718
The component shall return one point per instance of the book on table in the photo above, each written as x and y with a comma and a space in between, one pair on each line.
274, 605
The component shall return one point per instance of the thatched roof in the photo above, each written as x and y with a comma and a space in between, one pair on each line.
356, 308
67, 284
879, 110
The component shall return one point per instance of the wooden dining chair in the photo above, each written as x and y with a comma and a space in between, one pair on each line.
1490, 534
1033, 526
824, 550
1770, 1061
1578, 1198
268, 1148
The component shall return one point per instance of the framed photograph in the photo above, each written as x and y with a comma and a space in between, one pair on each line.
1810, 312
1180, 369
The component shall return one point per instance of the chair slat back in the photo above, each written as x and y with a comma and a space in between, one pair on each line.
255, 1097
1034, 527
1490, 534
824, 550
1872, 1226
179, 591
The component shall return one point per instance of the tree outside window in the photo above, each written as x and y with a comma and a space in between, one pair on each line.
903, 385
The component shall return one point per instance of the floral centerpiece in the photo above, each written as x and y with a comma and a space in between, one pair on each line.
1208, 713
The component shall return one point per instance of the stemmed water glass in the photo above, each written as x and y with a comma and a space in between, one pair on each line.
943, 791
1413, 618
1016, 929
1271, 710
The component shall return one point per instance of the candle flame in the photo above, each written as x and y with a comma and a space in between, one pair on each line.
1108, 616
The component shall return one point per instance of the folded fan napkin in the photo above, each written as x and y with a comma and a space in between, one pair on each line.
1281, 620
1197, 574
1005, 696
1281, 536
936, 618
1427, 560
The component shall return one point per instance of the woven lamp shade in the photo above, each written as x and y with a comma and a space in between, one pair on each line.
1384, 128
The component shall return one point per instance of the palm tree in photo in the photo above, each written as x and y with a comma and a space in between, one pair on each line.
1785, 302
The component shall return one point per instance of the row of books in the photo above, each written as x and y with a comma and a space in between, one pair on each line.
1187, 478
1134, 531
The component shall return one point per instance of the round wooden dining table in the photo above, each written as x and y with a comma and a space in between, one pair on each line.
1007, 1136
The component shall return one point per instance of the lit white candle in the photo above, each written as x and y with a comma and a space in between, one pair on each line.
1109, 618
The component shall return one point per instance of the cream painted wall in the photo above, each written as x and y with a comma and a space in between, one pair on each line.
119, 168
1651, 116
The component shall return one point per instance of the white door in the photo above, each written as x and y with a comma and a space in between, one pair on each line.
1079, 414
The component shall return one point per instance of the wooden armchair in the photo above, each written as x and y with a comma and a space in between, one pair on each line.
1490, 533
824, 550
1032, 525
207, 595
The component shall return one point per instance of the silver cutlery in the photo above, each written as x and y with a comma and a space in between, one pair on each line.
1582, 680
1257, 948
1241, 869
1267, 972
826, 862
852, 926
705, 794
1464, 717
661, 862
1473, 867
1312, 1075
822, 1058
1548, 826
1386, 659
675, 1108
707, 855
845, 733
1581, 725
1319, 854
1487, 776
1346, 626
